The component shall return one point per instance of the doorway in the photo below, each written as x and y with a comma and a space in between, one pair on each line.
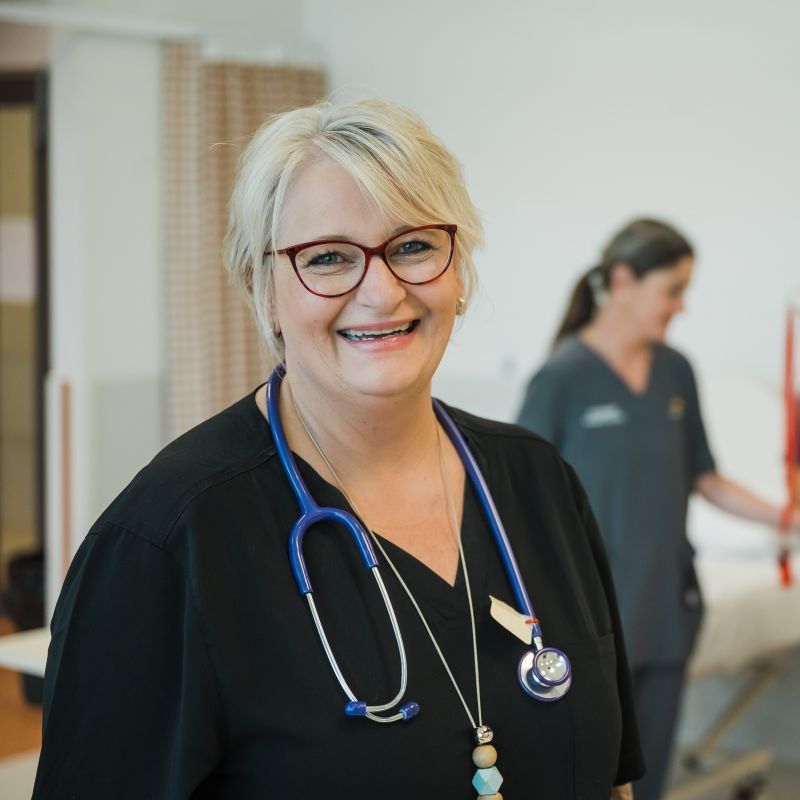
24, 352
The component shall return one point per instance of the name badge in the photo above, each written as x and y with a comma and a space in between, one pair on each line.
511, 619
603, 416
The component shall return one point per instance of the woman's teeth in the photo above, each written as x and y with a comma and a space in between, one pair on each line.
363, 335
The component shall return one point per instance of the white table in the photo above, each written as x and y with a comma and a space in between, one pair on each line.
26, 651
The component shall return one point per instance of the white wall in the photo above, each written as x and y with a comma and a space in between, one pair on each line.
571, 118
106, 278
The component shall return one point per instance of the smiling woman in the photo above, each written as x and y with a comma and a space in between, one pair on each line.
185, 663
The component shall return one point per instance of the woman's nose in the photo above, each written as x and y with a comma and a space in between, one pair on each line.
380, 287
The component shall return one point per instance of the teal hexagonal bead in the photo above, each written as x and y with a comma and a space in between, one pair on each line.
487, 781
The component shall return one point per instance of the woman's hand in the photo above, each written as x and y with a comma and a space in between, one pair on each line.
622, 792
736, 499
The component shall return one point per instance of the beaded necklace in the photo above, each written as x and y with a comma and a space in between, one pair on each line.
487, 778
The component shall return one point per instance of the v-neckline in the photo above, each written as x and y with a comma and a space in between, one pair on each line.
337, 499
636, 395
471, 516
445, 600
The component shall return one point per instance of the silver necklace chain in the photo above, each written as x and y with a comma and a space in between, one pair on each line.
454, 527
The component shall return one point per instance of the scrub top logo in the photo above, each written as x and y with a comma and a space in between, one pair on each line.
676, 408
603, 416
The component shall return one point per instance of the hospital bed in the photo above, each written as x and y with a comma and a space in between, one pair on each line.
751, 627
750, 631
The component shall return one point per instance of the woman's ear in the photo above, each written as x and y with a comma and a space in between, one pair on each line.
620, 276
273, 314
459, 277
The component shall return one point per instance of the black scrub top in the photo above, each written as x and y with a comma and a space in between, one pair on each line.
184, 662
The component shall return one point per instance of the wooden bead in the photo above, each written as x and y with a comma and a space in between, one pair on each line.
484, 756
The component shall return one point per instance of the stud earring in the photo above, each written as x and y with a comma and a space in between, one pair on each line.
461, 306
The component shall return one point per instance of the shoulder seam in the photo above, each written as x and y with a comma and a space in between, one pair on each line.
110, 523
523, 434
203, 485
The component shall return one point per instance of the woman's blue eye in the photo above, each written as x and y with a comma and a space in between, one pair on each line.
416, 250
326, 259
409, 248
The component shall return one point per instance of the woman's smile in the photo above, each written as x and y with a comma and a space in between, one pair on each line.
378, 336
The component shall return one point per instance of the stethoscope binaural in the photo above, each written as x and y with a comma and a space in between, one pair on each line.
543, 672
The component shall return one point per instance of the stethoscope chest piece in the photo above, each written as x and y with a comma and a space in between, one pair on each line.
545, 674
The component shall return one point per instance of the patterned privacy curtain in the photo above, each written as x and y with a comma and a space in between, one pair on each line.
212, 110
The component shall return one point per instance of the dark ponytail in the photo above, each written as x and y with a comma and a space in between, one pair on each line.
644, 245
581, 307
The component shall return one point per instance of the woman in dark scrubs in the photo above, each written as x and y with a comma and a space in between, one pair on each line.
184, 662
622, 408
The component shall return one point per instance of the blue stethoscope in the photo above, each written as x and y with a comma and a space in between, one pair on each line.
543, 672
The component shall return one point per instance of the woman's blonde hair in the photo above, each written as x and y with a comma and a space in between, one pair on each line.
388, 149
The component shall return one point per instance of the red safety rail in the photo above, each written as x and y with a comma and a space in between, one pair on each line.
791, 394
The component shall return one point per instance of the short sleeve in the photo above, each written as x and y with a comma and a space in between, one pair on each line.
131, 708
542, 406
631, 760
700, 458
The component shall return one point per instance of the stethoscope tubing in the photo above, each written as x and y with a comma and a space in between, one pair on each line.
311, 513
533, 681
490, 513
326, 646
